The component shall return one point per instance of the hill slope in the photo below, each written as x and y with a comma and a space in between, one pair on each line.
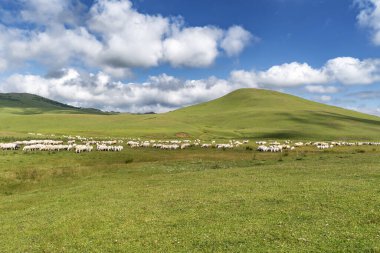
31, 104
271, 114
245, 113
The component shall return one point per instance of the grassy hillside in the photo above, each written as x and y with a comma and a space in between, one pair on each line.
245, 113
24, 103
271, 114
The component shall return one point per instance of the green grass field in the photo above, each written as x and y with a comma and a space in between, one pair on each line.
193, 200
245, 113
148, 200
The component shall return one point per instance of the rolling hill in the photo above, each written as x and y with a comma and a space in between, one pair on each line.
32, 104
271, 114
244, 113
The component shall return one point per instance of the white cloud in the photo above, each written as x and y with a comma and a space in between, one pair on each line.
159, 93
193, 47
321, 89
352, 71
291, 74
50, 12
344, 70
235, 40
163, 92
118, 72
369, 17
285, 75
112, 36
54, 47
131, 39
244, 78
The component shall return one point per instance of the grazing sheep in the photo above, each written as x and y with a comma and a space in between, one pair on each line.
9, 146
271, 148
170, 146
224, 146
262, 148
185, 145
261, 142
83, 148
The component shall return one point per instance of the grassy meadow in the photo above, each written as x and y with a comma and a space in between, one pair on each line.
195, 200
192, 200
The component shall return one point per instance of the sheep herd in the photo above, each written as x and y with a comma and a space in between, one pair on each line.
80, 144
289, 145
54, 145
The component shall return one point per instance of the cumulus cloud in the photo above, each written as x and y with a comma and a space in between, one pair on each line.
111, 36
159, 93
193, 47
235, 40
280, 76
131, 39
285, 75
291, 74
244, 78
344, 70
49, 12
352, 71
54, 47
369, 17
164, 92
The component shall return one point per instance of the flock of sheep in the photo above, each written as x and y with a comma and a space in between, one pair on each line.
88, 144
288, 145
182, 144
53, 145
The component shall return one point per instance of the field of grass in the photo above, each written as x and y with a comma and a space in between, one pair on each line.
195, 200
245, 113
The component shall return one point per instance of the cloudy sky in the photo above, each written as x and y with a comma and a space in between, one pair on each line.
156, 55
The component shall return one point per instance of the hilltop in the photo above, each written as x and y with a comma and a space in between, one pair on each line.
271, 114
244, 113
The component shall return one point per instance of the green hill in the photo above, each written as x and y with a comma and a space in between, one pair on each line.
271, 114
245, 113
25, 103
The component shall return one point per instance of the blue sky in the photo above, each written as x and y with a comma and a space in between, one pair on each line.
149, 55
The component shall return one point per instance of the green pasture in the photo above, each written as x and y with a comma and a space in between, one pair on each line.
195, 200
